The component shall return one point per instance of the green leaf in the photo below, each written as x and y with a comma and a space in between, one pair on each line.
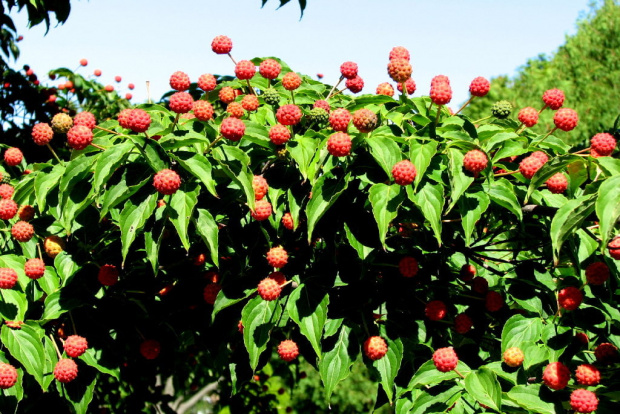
120, 192
308, 308
302, 149
65, 266
25, 346
385, 200
93, 357
484, 387
234, 163
207, 229
389, 365
421, 155
133, 218
430, 199
385, 151
199, 166
534, 354
181, 208
223, 301
528, 397
459, 181
325, 192
608, 208
518, 329
471, 207
78, 393
336, 362
610, 165
502, 193
13, 305
107, 162
55, 305
496, 139
259, 317
151, 151
568, 219
45, 181
428, 374
362, 250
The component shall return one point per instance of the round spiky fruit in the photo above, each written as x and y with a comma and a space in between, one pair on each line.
557, 183
587, 374
287, 221
583, 401
181, 102
210, 292
441, 93
475, 161
6, 191
320, 103
227, 94
480, 285
22, 231
66, 370
480, 86
108, 275
501, 109
445, 359
53, 245
42, 133
85, 118
288, 114
232, 128
410, 85
493, 301
75, 345
13, 156
123, 118
375, 348
404, 172
602, 144
235, 109
399, 70
179, 81
348, 70
8, 278
385, 89
139, 120
250, 102
279, 134
61, 123
606, 353
291, 81
318, 115
556, 376
269, 69
271, 96
408, 266
435, 310
166, 182
8, 376
221, 45
513, 357
277, 257
399, 52
339, 119
553, 98
79, 137
614, 248
262, 210
528, 116
207, 82
566, 119
150, 348
203, 110
570, 298
365, 120
288, 350
8, 208
463, 323
260, 187
270, 287
245, 70
34, 268
467, 272
355, 84
339, 144
529, 166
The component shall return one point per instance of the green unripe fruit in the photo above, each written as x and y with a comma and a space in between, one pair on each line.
501, 109
318, 115
271, 96
61, 123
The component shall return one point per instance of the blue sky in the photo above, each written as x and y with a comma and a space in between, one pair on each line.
147, 41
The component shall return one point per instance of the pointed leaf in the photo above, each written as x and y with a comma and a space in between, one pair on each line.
471, 207
389, 365
502, 193
485, 388
528, 397
608, 208
133, 218
199, 166
519, 329
568, 219
207, 229
421, 155
430, 199
385, 200
325, 192
308, 308
459, 181
259, 317
25, 346
385, 151
181, 208
336, 362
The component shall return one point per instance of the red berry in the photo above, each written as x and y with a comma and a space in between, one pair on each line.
404, 172
6, 191
277, 257
34, 268
139, 120
262, 210
221, 45
83, 62
42, 133
513, 357
408, 266
66, 370
529, 116
227, 94
570, 298
270, 287
8, 208
553, 98
399, 70
108, 275
480, 285
445, 359
13, 156
348, 70
355, 84
583, 401
529, 166
441, 93
291, 81
210, 292
475, 161
582, 338
85, 118
203, 110
435, 310
565, 119
557, 183
8, 278
288, 114
467, 272
269, 69
22, 231
250, 102
410, 85
97, 72
75, 346
109, 88
235, 109
179, 81
339, 144
614, 248
287, 221
8, 375
322, 104
587, 374
260, 186
123, 117
479, 86
245, 70
79, 137
207, 82
606, 353
339, 119
279, 134
399, 52
117, 78
150, 348
181, 102
288, 350
556, 376
462, 323
232, 128
131, 86
167, 182
602, 144
493, 301
386, 89
365, 120
375, 347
